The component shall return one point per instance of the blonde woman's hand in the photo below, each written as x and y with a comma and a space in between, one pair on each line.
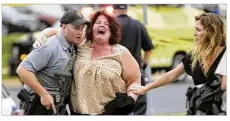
138, 89
40, 41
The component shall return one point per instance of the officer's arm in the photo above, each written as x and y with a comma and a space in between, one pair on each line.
146, 57
30, 80
146, 45
130, 71
34, 62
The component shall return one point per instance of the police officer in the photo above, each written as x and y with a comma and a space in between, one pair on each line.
135, 37
57, 55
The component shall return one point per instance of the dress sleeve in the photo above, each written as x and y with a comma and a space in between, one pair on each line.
187, 61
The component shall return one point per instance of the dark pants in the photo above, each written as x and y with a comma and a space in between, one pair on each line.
141, 105
39, 109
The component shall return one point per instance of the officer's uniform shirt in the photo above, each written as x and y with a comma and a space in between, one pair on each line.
55, 56
136, 37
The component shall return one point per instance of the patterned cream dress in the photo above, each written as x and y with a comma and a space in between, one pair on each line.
96, 80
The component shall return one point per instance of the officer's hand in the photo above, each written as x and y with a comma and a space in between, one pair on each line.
40, 41
48, 101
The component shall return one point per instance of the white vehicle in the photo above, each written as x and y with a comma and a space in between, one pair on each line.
9, 107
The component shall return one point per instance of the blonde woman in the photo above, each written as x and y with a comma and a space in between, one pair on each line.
200, 63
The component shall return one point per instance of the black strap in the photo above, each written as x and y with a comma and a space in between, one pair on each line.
213, 67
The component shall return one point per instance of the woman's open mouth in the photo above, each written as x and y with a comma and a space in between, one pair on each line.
101, 32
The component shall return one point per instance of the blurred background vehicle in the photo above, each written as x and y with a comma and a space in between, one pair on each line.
15, 21
43, 13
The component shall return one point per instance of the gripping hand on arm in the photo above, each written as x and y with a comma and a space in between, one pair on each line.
42, 38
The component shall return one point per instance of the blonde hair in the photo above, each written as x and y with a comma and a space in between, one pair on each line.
212, 37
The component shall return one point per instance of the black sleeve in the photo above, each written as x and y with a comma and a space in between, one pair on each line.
146, 43
187, 61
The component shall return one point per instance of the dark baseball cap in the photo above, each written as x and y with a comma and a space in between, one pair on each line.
73, 17
120, 6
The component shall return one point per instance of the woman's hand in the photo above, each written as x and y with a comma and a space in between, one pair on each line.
42, 38
138, 89
40, 41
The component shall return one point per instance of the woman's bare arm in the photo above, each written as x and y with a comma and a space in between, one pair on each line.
161, 81
130, 71
167, 78
48, 32
42, 37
